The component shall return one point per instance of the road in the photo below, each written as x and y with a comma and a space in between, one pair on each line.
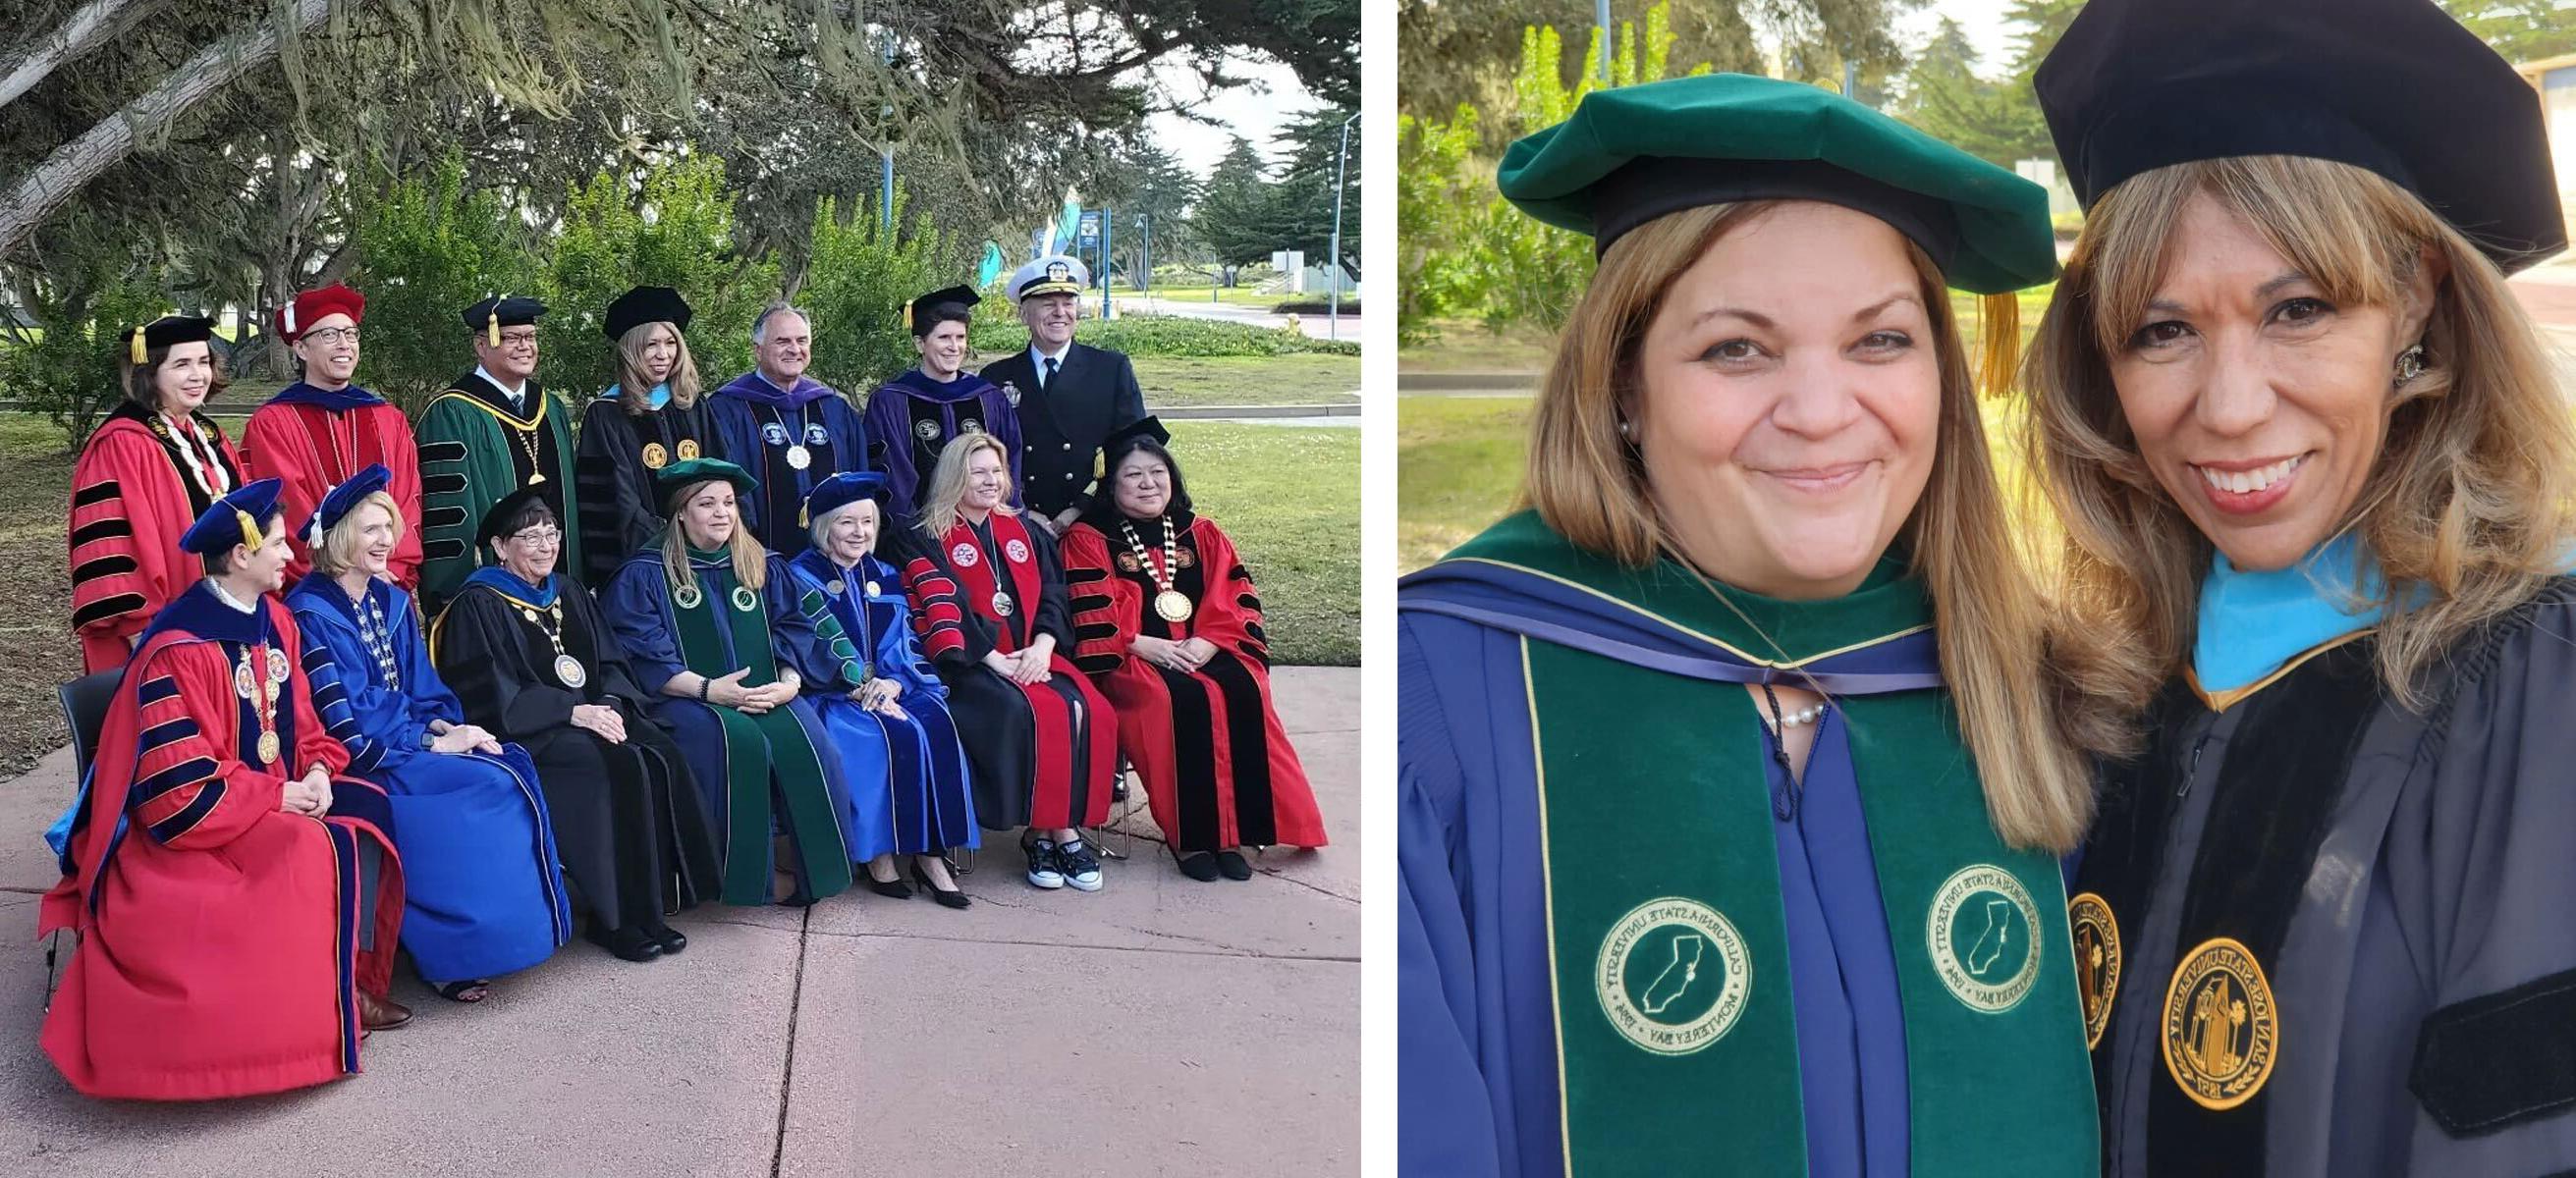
1317, 326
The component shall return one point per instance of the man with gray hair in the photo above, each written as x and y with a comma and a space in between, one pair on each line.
788, 429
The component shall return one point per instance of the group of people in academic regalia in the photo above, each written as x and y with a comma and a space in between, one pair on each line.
1759, 803
461, 687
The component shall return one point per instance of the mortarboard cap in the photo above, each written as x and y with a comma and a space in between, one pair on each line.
1635, 153
642, 305
240, 518
926, 312
842, 490
163, 332
508, 507
2396, 87
308, 308
679, 476
1052, 274
499, 311
341, 500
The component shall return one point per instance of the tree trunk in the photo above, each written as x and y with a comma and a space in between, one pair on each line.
95, 24
25, 204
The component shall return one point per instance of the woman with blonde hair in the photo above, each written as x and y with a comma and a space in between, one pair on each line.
653, 416
2319, 489
990, 606
1730, 765
486, 894
713, 626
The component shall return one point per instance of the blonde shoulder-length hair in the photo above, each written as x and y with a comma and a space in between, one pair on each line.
634, 389
2470, 497
1590, 486
338, 551
750, 560
948, 482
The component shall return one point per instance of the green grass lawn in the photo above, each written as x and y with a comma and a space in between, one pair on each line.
1290, 498
1240, 296
1302, 379
1466, 346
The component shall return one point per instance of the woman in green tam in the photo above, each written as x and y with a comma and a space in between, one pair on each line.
713, 627
1731, 777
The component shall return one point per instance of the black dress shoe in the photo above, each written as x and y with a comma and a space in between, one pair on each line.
1200, 866
667, 937
628, 944
1233, 864
947, 897
893, 889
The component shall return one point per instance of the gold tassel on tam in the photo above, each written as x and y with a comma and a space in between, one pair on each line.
140, 356
1998, 360
907, 316
492, 322
252, 536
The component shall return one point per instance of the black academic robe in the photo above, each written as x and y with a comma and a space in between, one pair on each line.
1063, 423
613, 470
2333, 934
630, 825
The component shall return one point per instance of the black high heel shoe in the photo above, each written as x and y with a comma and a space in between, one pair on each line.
892, 889
947, 897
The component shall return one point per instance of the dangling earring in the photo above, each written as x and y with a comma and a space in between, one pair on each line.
2410, 364
1627, 429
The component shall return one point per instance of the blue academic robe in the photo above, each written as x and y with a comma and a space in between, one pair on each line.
486, 893
756, 425
908, 777
1477, 1077
638, 607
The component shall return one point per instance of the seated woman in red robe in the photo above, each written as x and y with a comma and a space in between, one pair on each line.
990, 609
1170, 627
149, 469
236, 899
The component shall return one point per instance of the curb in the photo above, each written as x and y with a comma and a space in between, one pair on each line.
1428, 382
1219, 412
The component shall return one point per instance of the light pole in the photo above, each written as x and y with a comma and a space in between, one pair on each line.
1341, 176
885, 152
1601, 20
1108, 217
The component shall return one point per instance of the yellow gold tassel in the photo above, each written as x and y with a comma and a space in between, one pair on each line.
140, 356
492, 326
907, 316
1998, 342
252, 535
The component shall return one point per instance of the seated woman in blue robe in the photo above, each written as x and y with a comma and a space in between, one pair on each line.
887, 710
1731, 777
713, 630
485, 893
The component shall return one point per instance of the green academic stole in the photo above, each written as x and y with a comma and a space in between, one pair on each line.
468, 462
758, 746
1676, 1030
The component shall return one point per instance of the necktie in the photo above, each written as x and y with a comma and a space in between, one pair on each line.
1049, 379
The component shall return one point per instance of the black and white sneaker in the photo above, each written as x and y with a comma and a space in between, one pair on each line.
1081, 868
1044, 860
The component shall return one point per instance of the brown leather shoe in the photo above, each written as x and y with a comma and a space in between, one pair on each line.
381, 1014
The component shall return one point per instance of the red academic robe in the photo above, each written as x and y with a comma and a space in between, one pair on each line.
132, 495
218, 934
313, 449
1218, 769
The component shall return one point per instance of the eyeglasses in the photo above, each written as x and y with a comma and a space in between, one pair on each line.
540, 536
509, 338
332, 335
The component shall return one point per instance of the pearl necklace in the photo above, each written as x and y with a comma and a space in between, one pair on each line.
1803, 716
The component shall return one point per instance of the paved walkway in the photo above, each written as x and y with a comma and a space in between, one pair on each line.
1317, 326
1159, 1026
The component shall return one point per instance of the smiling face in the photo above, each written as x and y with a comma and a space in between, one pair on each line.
329, 349
2258, 404
1050, 318
185, 378
376, 530
1791, 393
661, 351
530, 554
1142, 485
515, 360
706, 516
988, 482
786, 346
264, 571
943, 349
852, 532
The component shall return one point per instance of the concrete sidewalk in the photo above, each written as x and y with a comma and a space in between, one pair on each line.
1159, 1026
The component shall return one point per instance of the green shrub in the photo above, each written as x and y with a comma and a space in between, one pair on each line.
429, 248
68, 373
860, 276
1163, 335
673, 228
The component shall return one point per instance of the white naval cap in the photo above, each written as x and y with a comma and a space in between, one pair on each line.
1052, 274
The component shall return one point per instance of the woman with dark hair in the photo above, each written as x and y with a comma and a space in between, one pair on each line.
486, 895
913, 417
653, 416
715, 629
527, 652
148, 471
1169, 625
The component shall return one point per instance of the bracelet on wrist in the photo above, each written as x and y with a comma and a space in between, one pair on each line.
704, 682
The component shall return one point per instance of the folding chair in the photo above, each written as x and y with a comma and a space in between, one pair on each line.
84, 702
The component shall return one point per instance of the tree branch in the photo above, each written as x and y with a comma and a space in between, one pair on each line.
94, 24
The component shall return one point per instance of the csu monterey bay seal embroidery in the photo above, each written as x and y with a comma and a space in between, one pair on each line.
1672, 975
2221, 1030
2097, 961
1982, 931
